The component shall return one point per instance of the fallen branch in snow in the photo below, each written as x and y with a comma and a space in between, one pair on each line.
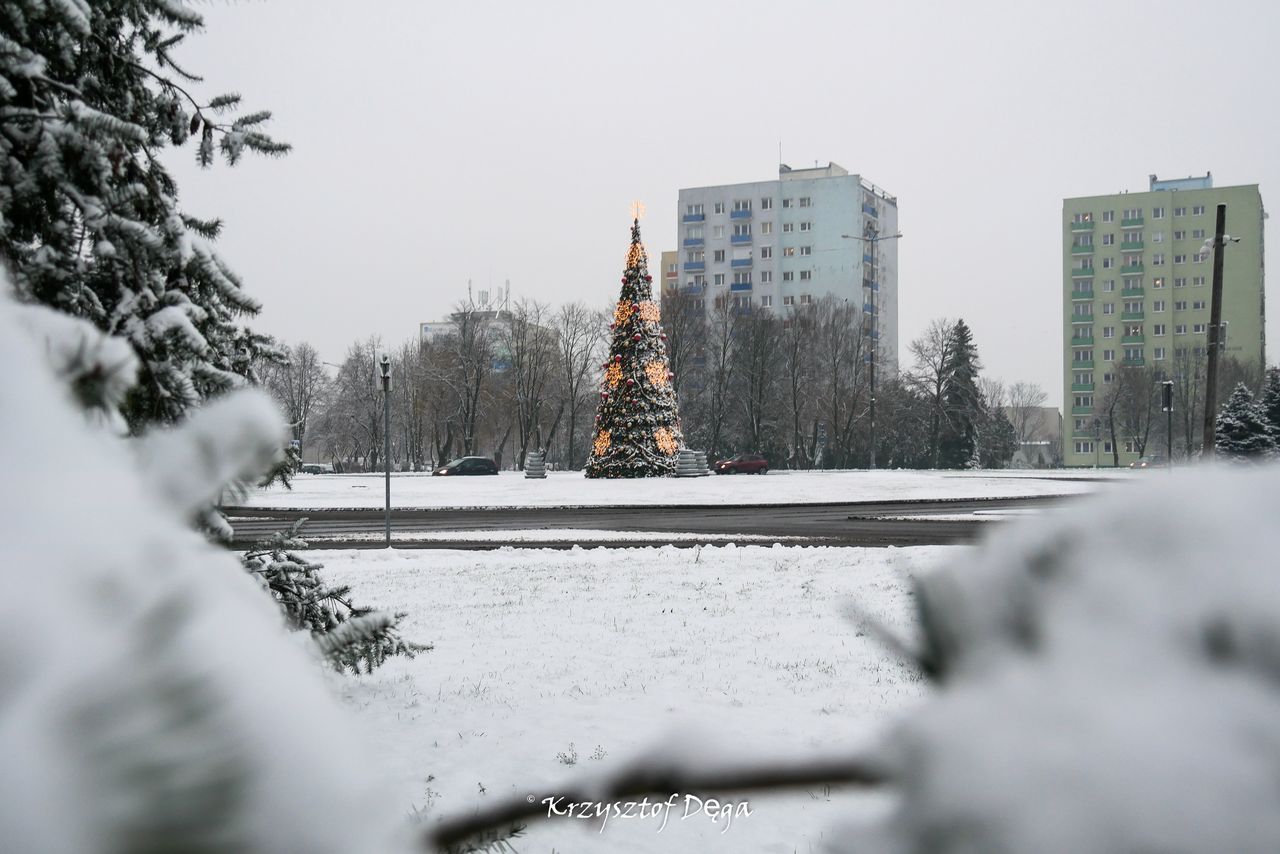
662, 777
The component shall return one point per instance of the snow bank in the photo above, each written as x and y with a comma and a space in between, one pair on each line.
1111, 682
150, 698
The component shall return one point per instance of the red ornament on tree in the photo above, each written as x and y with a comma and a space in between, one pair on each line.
617, 358
624, 280
630, 381
664, 336
636, 337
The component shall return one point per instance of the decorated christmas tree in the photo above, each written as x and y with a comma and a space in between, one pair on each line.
637, 428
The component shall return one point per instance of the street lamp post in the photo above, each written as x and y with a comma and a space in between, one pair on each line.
1214, 337
385, 365
872, 285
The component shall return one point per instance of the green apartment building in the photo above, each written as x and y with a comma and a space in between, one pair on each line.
1137, 280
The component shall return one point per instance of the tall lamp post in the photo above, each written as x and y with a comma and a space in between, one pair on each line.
385, 365
1214, 337
871, 286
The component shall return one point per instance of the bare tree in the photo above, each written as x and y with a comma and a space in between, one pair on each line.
353, 421
684, 322
797, 366
462, 360
529, 344
840, 348
757, 352
579, 337
299, 386
409, 413
720, 347
1024, 402
933, 353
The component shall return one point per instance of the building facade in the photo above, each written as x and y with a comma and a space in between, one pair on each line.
782, 244
1137, 281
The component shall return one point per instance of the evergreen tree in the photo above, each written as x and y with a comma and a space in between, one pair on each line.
90, 95
1242, 431
637, 426
999, 441
1270, 401
962, 404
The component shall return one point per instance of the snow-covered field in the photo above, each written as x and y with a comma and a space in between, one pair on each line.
571, 489
552, 665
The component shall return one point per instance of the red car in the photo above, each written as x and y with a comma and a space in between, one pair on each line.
743, 464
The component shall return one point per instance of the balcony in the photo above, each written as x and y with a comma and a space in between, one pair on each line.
740, 286
870, 285
693, 289
1081, 295
1082, 342
1082, 366
1082, 250
1131, 269
1081, 272
868, 308
695, 266
1082, 318
1132, 315
1133, 339
1132, 292
693, 241
1082, 226
1082, 410
1082, 386
1131, 246
1132, 223
870, 210
1139, 362
694, 218
740, 262
740, 238
867, 259
740, 214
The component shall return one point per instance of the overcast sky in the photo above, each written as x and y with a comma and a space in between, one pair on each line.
439, 142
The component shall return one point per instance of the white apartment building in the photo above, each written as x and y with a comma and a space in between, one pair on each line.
778, 245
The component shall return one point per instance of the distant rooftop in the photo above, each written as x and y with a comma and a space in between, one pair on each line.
831, 170
1191, 182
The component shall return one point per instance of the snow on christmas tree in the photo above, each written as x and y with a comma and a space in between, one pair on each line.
1242, 431
637, 429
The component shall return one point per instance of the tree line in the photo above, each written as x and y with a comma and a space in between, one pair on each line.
794, 386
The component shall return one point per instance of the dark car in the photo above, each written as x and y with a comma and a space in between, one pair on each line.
1155, 461
468, 465
743, 464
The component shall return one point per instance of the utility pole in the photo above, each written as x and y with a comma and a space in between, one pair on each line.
385, 364
1212, 338
871, 285
1166, 403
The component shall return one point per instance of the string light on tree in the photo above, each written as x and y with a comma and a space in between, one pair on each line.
637, 424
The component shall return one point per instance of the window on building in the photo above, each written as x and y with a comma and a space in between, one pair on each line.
1157, 282
806, 250
766, 204
1157, 237
717, 231
698, 281
1108, 263
693, 210
1108, 308
806, 226
1179, 234
1083, 377
742, 229
1180, 329
717, 256
1158, 354
788, 252
1196, 281
788, 227
1108, 332
788, 276
1132, 306
1157, 213
718, 279
1132, 213
719, 208
1159, 329
1108, 377
1108, 285
766, 252
1108, 355
766, 301
1180, 305
1179, 211
1199, 328
1082, 400
1132, 260
742, 301
1106, 446
1157, 306
1133, 329
806, 275
1197, 210
695, 256
1078, 218
742, 278
1179, 259
1198, 305
1198, 233
766, 228
1179, 281
1108, 216
693, 232
766, 277
788, 203
806, 299
1082, 356
1084, 447
1157, 258
742, 204
1133, 354
1108, 240
788, 300
1200, 257
806, 202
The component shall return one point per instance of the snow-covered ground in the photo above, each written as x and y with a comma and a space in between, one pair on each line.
571, 489
552, 665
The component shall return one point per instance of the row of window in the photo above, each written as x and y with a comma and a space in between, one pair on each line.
698, 256
1085, 240
1157, 260
1131, 446
1084, 309
745, 278
1157, 329
1132, 214
766, 301
739, 205
743, 229
1136, 283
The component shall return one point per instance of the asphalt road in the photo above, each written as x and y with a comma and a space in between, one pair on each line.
845, 524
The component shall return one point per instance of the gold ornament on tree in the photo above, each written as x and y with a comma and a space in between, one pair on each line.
601, 443
665, 441
623, 312
613, 374
648, 311
657, 373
